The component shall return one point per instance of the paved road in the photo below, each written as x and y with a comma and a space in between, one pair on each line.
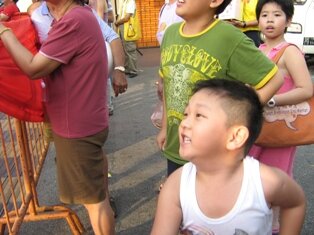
136, 165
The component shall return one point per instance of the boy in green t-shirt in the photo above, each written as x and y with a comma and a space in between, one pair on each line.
204, 47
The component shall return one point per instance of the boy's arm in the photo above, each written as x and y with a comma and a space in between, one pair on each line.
169, 214
162, 135
266, 92
281, 190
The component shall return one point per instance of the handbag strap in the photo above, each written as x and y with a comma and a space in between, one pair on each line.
280, 53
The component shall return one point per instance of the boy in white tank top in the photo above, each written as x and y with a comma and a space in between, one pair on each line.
221, 190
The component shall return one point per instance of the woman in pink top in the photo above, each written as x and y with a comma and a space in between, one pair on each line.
274, 17
73, 59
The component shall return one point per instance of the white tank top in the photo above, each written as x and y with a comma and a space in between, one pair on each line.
250, 214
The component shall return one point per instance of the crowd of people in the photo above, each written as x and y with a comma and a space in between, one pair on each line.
207, 94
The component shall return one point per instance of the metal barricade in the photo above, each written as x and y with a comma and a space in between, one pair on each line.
22, 154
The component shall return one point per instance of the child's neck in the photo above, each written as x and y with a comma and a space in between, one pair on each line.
271, 43
197, 25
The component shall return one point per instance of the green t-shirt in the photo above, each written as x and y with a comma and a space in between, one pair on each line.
220, 51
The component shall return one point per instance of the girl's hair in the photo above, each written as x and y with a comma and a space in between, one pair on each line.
286, 6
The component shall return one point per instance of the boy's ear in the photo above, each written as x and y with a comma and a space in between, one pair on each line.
215, 3
237, 136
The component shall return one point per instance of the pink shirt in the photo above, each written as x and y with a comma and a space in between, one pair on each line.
76, 91
288, 81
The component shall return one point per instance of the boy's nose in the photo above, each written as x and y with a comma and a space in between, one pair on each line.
185, 122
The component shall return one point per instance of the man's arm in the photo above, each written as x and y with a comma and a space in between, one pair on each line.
119, 82
123, 20
282, 191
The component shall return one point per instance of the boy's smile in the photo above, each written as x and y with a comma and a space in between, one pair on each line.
203, 127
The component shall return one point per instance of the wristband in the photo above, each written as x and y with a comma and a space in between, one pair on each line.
120, 68
3, 30
271, 103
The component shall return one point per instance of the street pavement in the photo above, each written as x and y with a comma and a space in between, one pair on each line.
136, 165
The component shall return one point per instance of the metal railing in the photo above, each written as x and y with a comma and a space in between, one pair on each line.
23, 152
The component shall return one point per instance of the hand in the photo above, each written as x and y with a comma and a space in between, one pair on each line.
116, 23
1, 26
119, 82
161, 138
237, 23
160, 87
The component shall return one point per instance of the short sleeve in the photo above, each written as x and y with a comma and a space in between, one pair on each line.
249, 65
62, 41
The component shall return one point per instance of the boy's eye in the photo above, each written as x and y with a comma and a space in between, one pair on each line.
199, 115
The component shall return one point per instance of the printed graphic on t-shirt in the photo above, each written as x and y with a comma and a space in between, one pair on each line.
185, 65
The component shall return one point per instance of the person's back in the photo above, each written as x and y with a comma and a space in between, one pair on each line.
203, 47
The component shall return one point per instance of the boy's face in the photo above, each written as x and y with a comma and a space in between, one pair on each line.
203, 130
192, 8
272, 20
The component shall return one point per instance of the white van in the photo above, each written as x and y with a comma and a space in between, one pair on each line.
301, 30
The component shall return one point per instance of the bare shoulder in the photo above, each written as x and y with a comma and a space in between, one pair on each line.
171, 188
292, 51
173, 180
277, 185
271, 180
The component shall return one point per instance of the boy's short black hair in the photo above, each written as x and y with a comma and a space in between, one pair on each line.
240, 103
287, 7
222, 7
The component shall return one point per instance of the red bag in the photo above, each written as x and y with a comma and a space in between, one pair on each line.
20, 97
